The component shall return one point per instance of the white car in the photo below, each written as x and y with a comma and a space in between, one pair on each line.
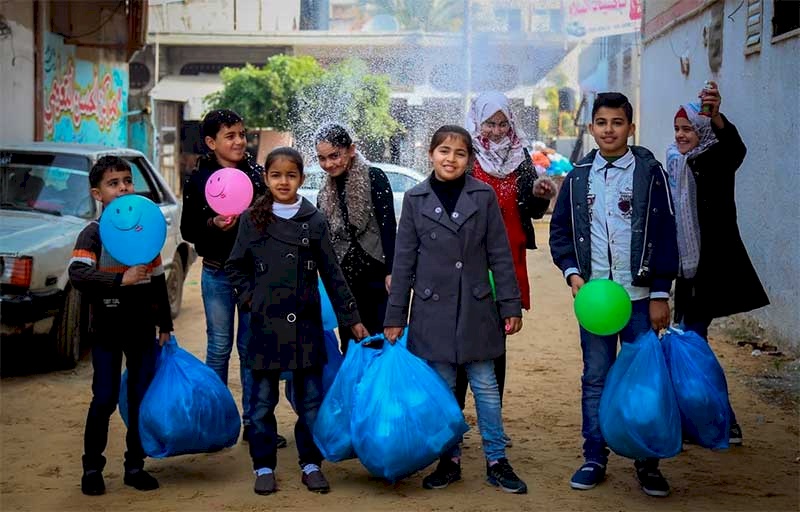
45, 204
400, 178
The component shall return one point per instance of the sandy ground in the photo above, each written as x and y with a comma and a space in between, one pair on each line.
42, 418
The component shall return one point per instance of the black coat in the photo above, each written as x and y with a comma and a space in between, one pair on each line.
274, 273
725, 282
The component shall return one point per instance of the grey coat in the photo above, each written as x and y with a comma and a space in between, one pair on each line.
446, 261
274, 274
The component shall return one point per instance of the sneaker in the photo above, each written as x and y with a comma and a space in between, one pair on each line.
314, 480
140, 480
265, 484
652, 481
508, 441
735, 435
588, 476
92, 483
280, 441
503, 476
446, 472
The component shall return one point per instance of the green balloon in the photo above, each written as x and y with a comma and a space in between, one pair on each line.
491, 283
603, 307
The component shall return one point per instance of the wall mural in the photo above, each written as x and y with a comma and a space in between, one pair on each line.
84, 101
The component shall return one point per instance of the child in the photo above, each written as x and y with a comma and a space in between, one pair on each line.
702, 164
213, 236
127, 304
281, 245
614, 220
451, 234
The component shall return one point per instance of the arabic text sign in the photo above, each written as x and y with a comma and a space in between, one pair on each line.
588, 19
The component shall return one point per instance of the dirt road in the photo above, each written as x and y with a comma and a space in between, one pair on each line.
42, 418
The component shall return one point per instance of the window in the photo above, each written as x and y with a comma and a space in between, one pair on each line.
785, 19
753, 26
142, 183
400, 182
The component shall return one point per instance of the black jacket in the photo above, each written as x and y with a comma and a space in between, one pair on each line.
654, 246
530, 206
726, 282
274, 274
211, 243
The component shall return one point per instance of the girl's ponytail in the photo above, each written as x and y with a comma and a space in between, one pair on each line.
261, 211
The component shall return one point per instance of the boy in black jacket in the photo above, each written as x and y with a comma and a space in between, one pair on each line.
127, 304
614, 220
213, 237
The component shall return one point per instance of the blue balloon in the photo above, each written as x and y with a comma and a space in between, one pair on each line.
133, 229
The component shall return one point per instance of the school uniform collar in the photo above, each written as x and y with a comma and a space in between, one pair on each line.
623, 162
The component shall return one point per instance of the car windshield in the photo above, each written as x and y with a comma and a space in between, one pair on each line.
45, 182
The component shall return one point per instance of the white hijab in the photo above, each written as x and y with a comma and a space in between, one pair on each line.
498, 159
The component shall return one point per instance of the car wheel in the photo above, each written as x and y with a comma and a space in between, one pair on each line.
175, 279
69, 330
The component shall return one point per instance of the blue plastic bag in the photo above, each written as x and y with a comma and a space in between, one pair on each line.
405, 415
329, 321
332, 427
335, 360
700, 388
639, 416
187, 408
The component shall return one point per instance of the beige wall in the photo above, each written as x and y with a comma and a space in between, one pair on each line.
17, 73
653, 8
224, 16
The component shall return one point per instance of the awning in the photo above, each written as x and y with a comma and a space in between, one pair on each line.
189, 89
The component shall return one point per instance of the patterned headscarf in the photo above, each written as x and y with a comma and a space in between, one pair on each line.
498, 159
684, 188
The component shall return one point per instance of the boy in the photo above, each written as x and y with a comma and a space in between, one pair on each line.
213, 237
614, 220
127, 304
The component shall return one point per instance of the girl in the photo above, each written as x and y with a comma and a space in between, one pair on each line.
282, 243
451, 233
716, 276
358, 202
503, 163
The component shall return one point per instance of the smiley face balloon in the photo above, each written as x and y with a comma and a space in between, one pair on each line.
229, 191
133, 229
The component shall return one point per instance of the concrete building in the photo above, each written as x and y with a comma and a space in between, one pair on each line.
64, 69
752, 49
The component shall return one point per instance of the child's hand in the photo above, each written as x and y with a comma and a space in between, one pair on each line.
544, 188
659, 314
392, 334
163, 338
225, 222
513, 325
359, 331
576, 282
134, 274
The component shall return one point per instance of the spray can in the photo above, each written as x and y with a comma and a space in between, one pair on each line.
705, 109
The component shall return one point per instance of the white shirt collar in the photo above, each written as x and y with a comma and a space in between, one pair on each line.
622, 162
287, 211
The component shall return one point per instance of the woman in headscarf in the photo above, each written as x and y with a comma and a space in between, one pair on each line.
358, 202
502, 161
716, 276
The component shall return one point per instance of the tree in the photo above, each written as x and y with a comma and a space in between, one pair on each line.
424, 15
266, 96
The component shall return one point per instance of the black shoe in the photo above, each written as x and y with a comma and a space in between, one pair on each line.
652, 481
92, 483
446, 472
140, 480
588, 476
503, 476
735, 435
280, 441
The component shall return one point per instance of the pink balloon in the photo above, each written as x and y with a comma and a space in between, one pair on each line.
229, 191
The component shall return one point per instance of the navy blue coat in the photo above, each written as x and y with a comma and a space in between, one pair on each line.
654, 246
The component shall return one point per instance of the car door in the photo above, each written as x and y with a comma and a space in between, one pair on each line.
147, 184
400, 183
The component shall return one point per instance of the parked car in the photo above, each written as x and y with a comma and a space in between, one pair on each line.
45, 204
400, 178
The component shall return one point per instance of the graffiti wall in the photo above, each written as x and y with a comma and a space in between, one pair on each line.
84, 101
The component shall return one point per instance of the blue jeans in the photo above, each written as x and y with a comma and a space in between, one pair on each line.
219, 302
307, 389
599, 353
701, 328
483, 383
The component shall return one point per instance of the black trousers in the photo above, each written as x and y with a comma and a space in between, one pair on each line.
462, 382
141, 350
371, 299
